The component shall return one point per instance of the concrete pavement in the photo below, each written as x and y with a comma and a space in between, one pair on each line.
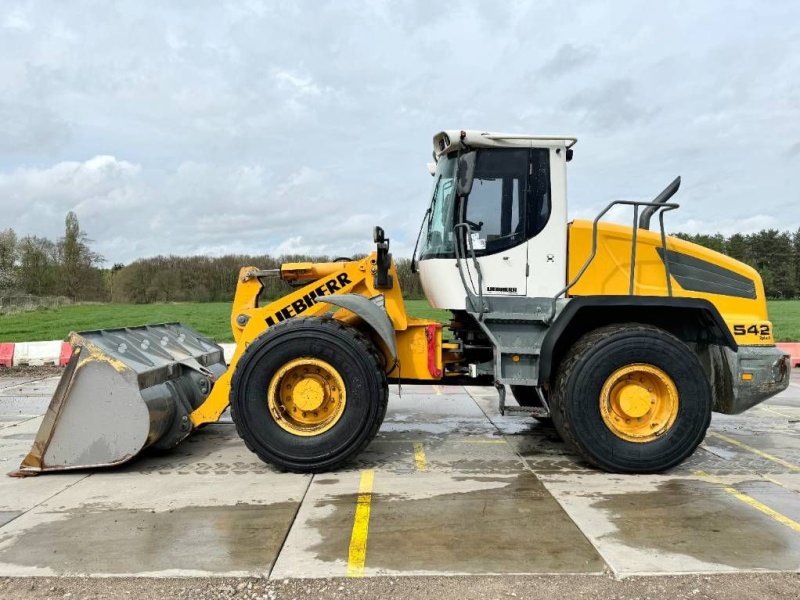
448, 487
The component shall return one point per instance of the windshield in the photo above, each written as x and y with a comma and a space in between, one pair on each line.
440, 239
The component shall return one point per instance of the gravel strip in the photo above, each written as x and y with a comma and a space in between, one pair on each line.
741, 585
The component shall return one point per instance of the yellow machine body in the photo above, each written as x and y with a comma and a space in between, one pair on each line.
609, 275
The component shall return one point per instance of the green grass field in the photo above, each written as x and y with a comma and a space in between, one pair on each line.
212, 319
785, 317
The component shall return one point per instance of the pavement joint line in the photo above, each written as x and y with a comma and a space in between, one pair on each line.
772, 410
750, 501
51, 496
756, 451
776, 482
420, 460
357, 553
24, 383
289, 528
10, 425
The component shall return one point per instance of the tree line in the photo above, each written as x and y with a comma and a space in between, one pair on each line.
37, 266
41, 267
207, 279
774, 254
68, 267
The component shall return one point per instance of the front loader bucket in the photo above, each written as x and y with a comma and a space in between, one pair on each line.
124, 390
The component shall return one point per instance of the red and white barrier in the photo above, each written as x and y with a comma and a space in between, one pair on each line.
7, 355
792, 349
36, 354
66, 354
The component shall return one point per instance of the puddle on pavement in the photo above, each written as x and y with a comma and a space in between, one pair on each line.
241, 537
699, 519
393, 452
514, 528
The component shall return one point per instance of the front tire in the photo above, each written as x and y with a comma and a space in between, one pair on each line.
309, 394
631, 398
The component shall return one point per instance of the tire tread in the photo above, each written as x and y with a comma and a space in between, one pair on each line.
369, 350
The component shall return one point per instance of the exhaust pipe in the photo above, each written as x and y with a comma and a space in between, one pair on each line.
124, 390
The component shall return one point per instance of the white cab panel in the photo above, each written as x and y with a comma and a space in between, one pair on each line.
536, 268
503, 275
547, 252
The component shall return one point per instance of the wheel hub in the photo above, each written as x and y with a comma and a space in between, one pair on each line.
634, 400
306, 396
639, 402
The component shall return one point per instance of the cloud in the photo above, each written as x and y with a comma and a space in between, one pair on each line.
271, 127
609, 105
130, 212
567, 58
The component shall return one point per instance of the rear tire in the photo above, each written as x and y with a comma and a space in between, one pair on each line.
678, 411
353, 359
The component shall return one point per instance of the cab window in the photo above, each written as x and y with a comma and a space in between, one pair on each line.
510, 198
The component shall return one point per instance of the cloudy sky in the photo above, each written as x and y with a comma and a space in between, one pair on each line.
221, 127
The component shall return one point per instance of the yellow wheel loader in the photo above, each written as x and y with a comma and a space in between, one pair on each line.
626, 338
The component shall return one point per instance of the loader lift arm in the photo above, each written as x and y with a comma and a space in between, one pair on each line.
365, 292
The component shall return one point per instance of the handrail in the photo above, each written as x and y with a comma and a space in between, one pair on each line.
661, 208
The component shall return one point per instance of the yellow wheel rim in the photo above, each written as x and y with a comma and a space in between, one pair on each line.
306, 396
639, 402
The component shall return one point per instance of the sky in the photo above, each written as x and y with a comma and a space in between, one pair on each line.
192, 127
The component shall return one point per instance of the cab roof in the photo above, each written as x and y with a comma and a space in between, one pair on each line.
448, 140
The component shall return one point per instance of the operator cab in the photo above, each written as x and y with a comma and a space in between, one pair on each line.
498, 201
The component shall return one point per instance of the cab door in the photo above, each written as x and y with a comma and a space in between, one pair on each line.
496, 211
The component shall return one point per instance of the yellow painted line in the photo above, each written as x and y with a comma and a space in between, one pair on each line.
419, 457
358, 539
750, 501
438, 389
755, 451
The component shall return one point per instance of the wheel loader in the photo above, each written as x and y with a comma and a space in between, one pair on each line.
626, 338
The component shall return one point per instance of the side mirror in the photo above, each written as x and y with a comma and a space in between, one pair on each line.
377, 235
466, 173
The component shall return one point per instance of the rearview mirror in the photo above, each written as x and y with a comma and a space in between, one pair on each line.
466, 173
